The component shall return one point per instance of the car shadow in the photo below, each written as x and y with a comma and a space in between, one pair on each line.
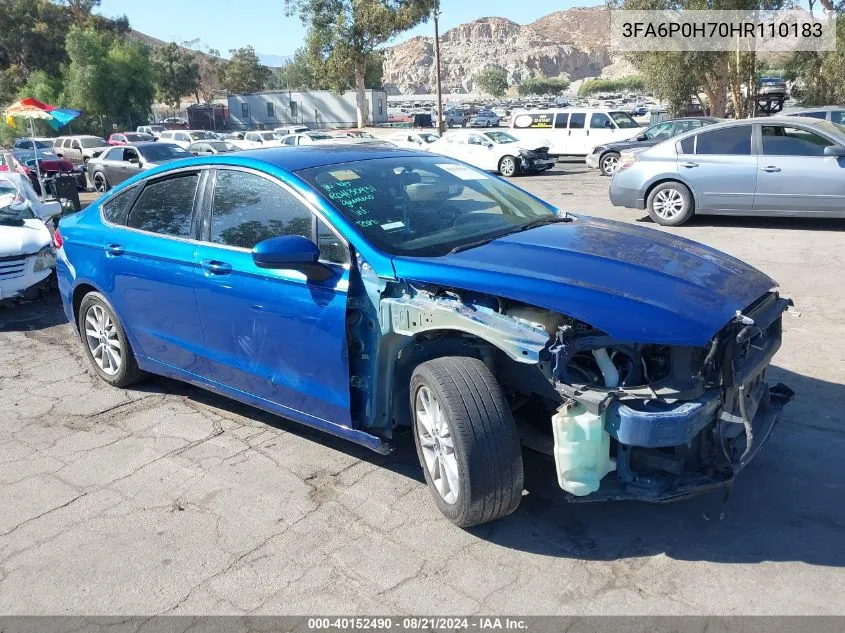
758, 222
39, 314
785, 506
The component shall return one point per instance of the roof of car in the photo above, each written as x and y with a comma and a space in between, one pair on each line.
307, 156
826, 108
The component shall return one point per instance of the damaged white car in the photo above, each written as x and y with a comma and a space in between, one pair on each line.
27, 256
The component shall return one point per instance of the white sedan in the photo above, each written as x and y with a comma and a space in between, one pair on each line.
256, 140
494, 151
413, 140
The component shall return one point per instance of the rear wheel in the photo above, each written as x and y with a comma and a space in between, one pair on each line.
670, 204
101, 184
508, 166
466, 440
608, 163
105, 342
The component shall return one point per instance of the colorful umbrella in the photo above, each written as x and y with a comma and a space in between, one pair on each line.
32, 109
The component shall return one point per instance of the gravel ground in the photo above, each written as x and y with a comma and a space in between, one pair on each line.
167, 499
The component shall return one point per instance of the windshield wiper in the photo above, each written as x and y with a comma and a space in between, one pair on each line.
469, 245
554, 219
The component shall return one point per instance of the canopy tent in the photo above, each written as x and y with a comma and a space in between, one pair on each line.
32, 109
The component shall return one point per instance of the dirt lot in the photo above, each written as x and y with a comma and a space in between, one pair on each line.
168, 499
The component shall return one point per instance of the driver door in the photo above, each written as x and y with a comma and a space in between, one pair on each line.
272, 333
125, 168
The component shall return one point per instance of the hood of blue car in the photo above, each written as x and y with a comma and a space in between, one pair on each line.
634, 283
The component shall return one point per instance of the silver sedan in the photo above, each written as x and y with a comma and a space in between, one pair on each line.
784, 165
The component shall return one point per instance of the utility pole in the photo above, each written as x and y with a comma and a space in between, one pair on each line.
441, 123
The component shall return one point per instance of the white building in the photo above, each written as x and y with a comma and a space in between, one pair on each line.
314, 108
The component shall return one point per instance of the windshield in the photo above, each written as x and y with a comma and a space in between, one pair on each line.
26, 143
134, 138
424, 206
319, 137
268, 136
160, 152
14, 208
429, 138
196, 136
221, 146
501, 137
624, 120
93, 142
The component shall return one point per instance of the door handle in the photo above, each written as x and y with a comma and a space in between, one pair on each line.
689, 165
771, 169
114, 249
215, 267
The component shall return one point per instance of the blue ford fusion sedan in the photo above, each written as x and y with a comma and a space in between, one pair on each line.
365, 291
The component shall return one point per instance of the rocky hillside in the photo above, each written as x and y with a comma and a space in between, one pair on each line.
571, 43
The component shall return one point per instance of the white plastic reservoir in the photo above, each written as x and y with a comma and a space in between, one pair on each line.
582, 450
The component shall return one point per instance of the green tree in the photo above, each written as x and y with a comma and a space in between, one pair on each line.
108, 76
820, 76
243, 72
32, 37
39, 85
594, 86
543, 86
175, 72
209, 64
676, 77
493, 81
345, 32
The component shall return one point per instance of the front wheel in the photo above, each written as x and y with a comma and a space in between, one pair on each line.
670, 204
466, 440
608, 163
508, 166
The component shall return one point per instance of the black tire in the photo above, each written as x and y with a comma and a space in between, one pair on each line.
485, 441
508, 166
129, 372
608, 163
100, 182
670, 204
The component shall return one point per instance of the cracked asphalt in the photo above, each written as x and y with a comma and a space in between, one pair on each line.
168, 499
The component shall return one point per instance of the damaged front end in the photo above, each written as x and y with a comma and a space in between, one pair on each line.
623, 420
657, 423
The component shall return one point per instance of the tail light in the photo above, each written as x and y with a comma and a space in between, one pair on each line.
626, 160
57, 239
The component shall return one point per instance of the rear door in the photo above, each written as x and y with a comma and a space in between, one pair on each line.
150, 265
794, 176
272, 333
576, 134
720, 169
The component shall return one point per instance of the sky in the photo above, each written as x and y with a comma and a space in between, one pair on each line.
226, 25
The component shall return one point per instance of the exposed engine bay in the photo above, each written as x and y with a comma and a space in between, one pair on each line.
622, 419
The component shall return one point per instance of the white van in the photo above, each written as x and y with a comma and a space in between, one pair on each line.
574, 131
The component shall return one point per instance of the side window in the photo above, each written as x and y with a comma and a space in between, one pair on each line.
733, 141
129, 154
475, 139
600, 121
76, 145
814, 115
247, 209
115, 210
779, 140
562, 120
661, 131
332, 249
165, 206
577, 120
114, 154
838, 116
686, 146
290, 140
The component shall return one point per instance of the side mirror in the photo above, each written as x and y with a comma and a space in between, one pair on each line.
642, 137
291, 252
50, 210
834, 150
195, 153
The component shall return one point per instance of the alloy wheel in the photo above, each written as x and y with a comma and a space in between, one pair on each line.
437, 444
609, 164
508, 166
668, 203
102, 339
99, 183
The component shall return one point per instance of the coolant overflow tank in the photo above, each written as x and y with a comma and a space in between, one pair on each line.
582, 449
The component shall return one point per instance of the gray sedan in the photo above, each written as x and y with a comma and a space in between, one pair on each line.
124, 161
789, 166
